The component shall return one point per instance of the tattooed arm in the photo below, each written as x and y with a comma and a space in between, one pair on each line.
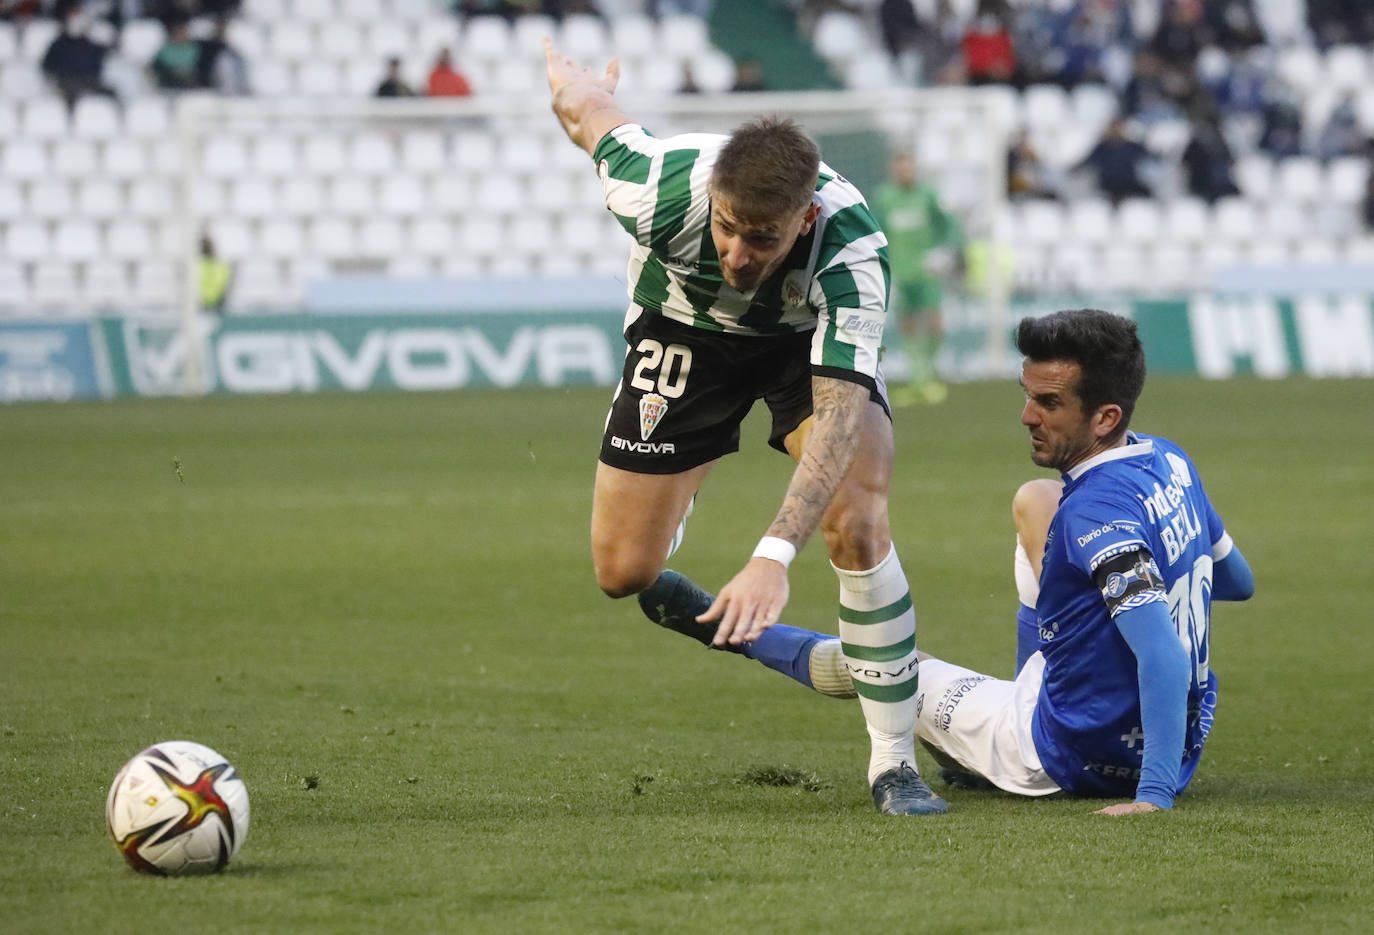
754, 598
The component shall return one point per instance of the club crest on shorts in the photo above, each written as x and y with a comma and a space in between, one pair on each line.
651, 409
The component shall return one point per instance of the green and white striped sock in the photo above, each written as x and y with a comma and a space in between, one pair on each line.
878, 637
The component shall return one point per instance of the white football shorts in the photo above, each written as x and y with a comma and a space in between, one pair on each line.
984, 723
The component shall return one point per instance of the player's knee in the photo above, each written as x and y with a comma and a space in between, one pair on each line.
624, 577
856, 539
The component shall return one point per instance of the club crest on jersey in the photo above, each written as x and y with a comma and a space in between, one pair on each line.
793, 295
651, 409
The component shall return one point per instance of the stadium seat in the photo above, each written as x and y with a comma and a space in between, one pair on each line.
224, 157
74, 159
318, 78
869, 73
1044, 105
461, 265
1359, 251
1346, 179
96, 118
14, 290
290, 41
167, 157
141, 39
129, 239
1254, 175
1316, 253
521, 152
21, 81
372, 154
323, 156
485, 38
105, 285
9, 41
1173, 267
473, 151
1345, 68
1186, 221
388, 38
35, 38
156, 284
331, 238
234, 238
423, 151
27, 240
411, 10
302, 197
272, 78
55, 288
77, 240
261, 11
147, 117
683, 36
401, 196
247, 38
45, 118
1090, 221
1286, 221
1268, 253
1093, 106
258, 285
380, 237
431, 237
314, 11
451, 193
341, 41
151, 198
714, 72
1300, 67
501, 194
351, 195
550, 191
209, 196
632, 33
274, 156
281, 238
254, 197
124, 158
99, 198
50, 199
1139, 221
839, 36
1235, 220
1299, 178
11, 200
363, 11
583, 37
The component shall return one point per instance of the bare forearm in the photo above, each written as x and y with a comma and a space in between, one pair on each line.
838, 409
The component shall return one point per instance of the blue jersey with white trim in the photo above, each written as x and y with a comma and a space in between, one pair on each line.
1087, 724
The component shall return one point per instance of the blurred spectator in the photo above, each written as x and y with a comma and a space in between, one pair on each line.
1232, 24
1082, 44
1281, 134
1368, 206
1182, 34
213, 278
470, 8
922, 236
393, 85
900, 28
176, 66
1207, 159
445, 80
1242, 89
1117, 161
687, 84
989, 53
1147, 97
748, 76
1027, 174
220, 66
1341, 22
73, 62
660, 8
1341, 135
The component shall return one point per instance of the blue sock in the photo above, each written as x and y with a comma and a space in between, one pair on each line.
787, 650
1027, 634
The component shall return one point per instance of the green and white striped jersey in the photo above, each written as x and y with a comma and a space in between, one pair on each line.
835, 280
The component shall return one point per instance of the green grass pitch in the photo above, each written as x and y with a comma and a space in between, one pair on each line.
381, 609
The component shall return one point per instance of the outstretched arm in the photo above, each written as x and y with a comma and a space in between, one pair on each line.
754, 598
583, 101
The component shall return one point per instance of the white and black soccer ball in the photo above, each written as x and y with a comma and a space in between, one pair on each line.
177, 808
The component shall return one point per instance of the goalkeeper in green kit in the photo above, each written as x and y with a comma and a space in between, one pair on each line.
919, 233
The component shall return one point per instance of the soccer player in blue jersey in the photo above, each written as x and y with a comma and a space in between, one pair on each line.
1117, 566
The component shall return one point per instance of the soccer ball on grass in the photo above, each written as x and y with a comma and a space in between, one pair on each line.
177, 808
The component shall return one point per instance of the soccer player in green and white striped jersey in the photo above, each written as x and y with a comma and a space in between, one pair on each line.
756, 272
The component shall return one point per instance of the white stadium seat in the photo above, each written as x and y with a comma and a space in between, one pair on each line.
431, 237
9, 41
389, 38
234, 238
156, 283
1346, 68
77, 240
96, 118
290, 41
258, 284
714, 71
1186, 221
473, 152
147, 117
683, 36
281, 238
1044, 105
209, 196
1090, 221
485, 38
1346, 179
45, 118
14, 289
372, 154
27, 240
151, 198
35, 38
1139, 220
129, 239
332, 238
582, 37
839, 36
1041, 222
302, 197
21, 81
99, 198
11, 200
351, 195
314, 11
74, 159
55, 288
124, 158
323, 156
167, 156
247, 38
380, 237
423, 151
319, 78
1299, 178
341, 41
105, 285
528, 32
272, 78
224, 157
451, 193
402, 195
275, 156
363, 11
141, 39
50, 199
254, 197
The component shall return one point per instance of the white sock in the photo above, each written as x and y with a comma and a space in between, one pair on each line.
681, 532
878, 636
